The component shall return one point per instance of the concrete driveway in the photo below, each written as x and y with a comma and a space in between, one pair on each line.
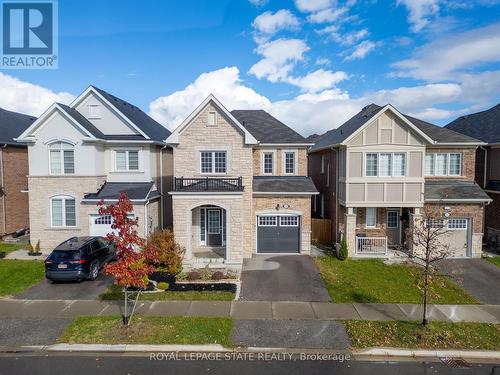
85, 290
476, 276
282, 278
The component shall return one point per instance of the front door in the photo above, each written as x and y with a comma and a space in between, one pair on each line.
214, 227
393, 227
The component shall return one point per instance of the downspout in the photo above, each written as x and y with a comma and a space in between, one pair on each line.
4, 209
161, 186
336, 194
146, 223
485, 172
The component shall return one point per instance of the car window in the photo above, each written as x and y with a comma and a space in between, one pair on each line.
65, 255
95, 246
102, 242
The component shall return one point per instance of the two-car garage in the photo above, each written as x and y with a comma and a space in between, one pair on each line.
278, 234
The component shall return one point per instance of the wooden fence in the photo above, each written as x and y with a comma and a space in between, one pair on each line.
321, 230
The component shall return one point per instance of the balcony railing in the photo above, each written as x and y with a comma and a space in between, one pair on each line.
371, 245
208, 184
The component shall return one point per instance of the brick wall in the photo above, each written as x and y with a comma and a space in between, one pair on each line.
15, 170
278, 161
468, 162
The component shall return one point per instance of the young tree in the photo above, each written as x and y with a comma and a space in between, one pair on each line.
429, 238
131, 269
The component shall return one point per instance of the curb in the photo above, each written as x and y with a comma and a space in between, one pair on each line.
423, 353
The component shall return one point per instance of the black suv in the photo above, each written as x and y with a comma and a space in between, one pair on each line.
79, 258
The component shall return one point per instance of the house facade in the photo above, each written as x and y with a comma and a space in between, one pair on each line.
240, 186
14, 210
485, 126
378, 171
93, 150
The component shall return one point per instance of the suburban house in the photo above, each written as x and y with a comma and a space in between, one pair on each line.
377, 171
485, 126
13, 172
93, 150
240, 186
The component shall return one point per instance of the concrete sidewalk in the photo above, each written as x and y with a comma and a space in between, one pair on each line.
10, 308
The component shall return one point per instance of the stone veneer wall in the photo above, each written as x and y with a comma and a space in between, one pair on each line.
278, 166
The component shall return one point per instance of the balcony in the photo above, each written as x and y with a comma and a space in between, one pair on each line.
208, 184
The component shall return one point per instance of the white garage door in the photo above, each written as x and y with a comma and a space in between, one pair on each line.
458, 237
100, 225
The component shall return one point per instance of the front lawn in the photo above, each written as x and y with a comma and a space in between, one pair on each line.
115, 292
437, 335
494, 260
149, 330
372, 281
10, 247
18, 275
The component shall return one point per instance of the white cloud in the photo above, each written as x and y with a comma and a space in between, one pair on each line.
25, 97
361, 50
420, 12
270, 23
327, 15
444, 58
318, 80
323, 61
312, 5
258, 3
347, 39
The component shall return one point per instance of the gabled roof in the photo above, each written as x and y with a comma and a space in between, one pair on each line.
174, 137
432, 133
449, 191
136, 191
266, 128
284, 184
78, 117
12, 125
483, 125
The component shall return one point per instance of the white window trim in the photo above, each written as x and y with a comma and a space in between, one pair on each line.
262, 154
61, 152
63, 198
392, 164
208, 211
458, 219
127, 150
295, 217
215, 118
91, 116
295, 162
212, 172
366, 217
275, 218
434, 161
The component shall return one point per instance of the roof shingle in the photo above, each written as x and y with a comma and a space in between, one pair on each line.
134, 190
483, 125
12, 125
283, 184
454, 190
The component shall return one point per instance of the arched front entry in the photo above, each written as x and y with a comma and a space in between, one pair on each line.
209, 231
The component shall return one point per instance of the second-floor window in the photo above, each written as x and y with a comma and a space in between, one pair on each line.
443, 164
61, 158
213, 162
126, 160
268, 163
385, 164
289, 162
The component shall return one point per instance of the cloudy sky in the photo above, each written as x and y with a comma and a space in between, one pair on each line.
311, 63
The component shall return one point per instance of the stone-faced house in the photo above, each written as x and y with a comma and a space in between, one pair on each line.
93, 150
240, 186
378, 170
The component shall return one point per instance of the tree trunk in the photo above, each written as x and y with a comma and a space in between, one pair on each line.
426, 287
125, 311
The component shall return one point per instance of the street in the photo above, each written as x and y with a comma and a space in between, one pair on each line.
36, 364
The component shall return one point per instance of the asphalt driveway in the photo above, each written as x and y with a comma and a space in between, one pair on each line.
85, 290
476, 276
282, 278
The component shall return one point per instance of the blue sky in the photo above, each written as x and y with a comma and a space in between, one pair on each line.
312, 63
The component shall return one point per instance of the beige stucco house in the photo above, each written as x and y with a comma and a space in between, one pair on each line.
93, 150
378, 171
240, 186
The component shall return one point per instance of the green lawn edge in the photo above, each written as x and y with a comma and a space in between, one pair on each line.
10, 247
18, 275
493, 260
114, 292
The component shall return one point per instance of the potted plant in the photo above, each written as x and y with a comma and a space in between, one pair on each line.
34, 251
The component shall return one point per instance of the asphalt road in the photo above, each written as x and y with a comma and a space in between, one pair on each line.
109, 365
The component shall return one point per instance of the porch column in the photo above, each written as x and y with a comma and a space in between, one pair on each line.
350, 230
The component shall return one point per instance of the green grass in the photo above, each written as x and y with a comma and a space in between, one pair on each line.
437, 335
149, 330
372, 281
18, 275
10, 247
494, 260
114, 292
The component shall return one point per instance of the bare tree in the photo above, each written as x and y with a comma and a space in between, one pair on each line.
429, 237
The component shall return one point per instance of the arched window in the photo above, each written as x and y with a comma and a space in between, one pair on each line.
61, 158
62, 211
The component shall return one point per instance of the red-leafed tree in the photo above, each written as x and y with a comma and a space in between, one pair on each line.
131, 269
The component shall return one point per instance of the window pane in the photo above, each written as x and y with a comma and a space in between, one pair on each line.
268, 163
385, 165
441, 164
69, 205
206, 162
212, 118
220, 162
429, 164
57, 217
399, 165
121, 162
55, 162
371, 217
371, 164
289, 162
455, 164
69, 161
133, 160
267, 221
392, 219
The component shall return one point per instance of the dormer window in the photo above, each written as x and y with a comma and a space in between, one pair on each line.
61, 158
126, 160
94, 111
212, 118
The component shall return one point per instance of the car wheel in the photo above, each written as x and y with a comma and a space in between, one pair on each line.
94, 271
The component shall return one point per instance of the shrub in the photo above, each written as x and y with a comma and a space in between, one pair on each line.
30, 248
163, 253
182, 276
37, 247
218, 275
343, 252
162, 286
193, 275
206, 274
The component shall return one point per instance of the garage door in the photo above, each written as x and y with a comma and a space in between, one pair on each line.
458, 237
278, 234
100, 225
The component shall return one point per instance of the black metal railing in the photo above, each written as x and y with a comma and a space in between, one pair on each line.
208, 184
